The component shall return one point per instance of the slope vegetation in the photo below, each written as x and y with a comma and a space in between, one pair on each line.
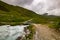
10, 14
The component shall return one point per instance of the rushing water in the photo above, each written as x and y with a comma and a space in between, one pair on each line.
8, 32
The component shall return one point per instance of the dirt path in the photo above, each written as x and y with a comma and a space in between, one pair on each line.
43, 32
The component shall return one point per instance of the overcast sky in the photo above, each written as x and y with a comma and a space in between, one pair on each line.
39, 6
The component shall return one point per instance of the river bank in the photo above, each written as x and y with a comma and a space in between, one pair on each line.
43, 32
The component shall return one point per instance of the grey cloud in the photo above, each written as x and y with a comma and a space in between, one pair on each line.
19, 2
24, 2
47, 6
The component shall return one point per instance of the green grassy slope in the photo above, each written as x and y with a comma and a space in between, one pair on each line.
10, 14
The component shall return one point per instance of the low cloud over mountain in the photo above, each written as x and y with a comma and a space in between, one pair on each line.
39, 6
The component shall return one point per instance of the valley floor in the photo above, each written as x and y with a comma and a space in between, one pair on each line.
43, 32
